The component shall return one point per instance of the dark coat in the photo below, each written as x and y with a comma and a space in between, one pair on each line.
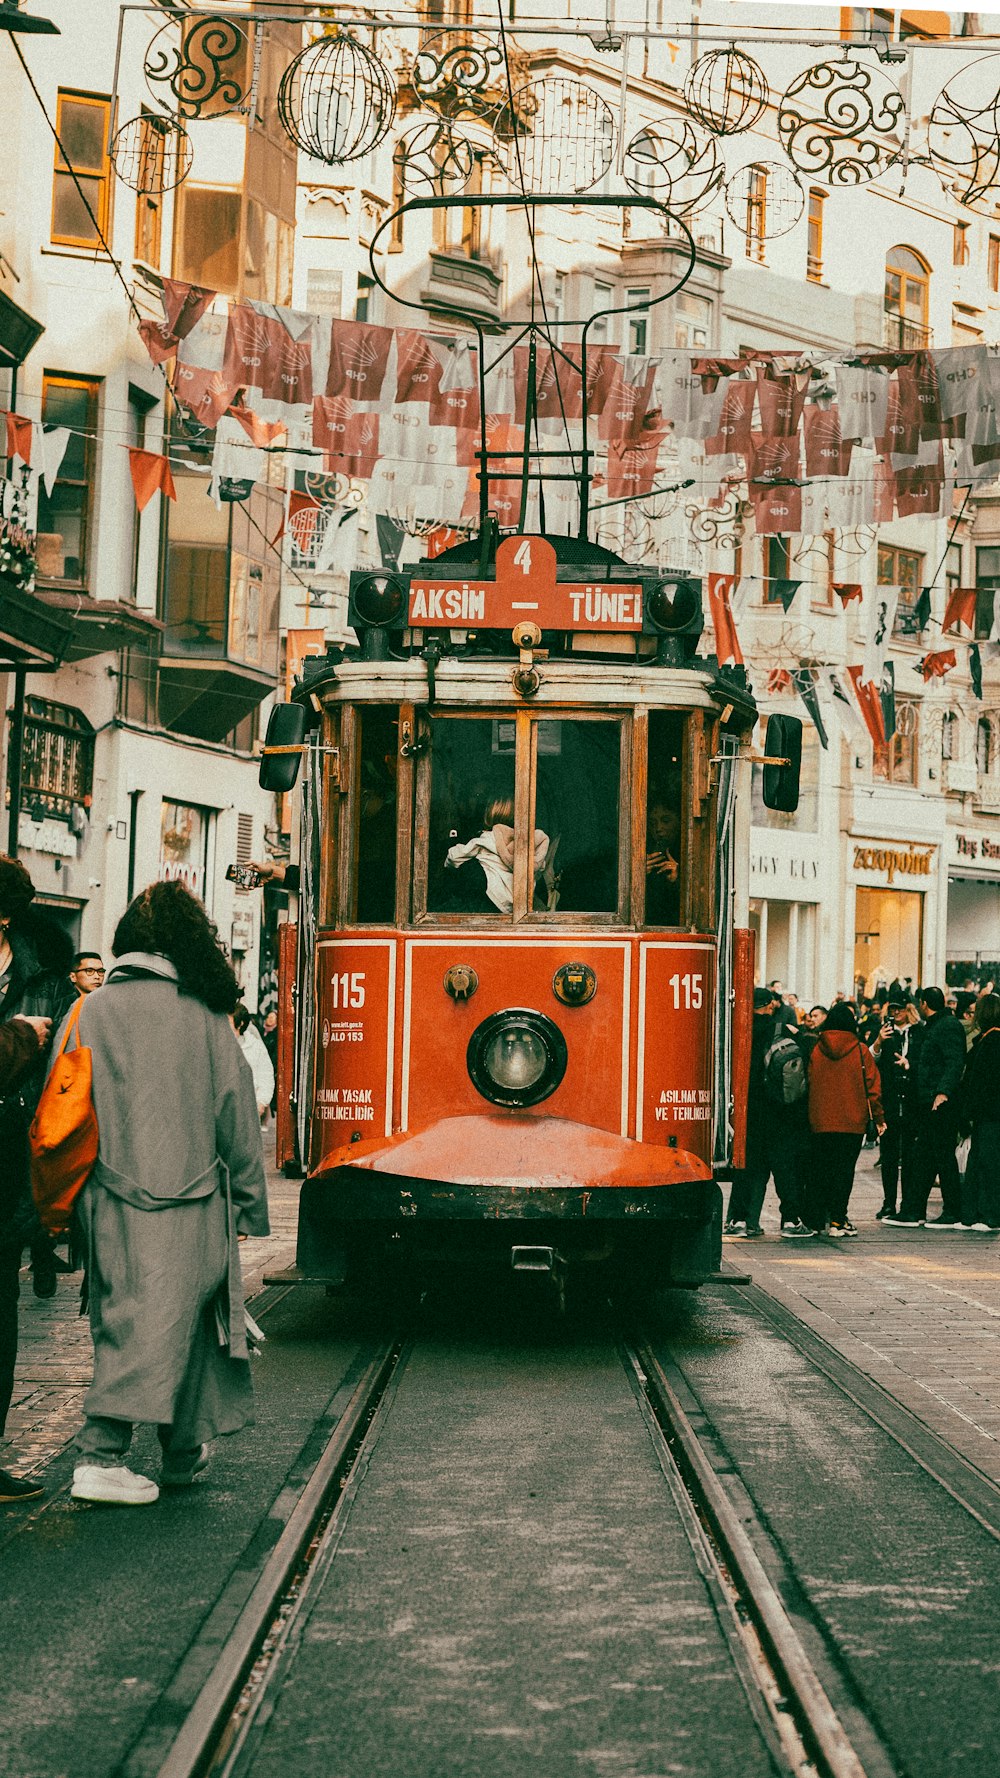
18, 1048
981, 1086
897, 1082
844, 1088
941, 1060
39, 986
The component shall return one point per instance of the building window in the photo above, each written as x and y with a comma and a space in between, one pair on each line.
363, 300
692, 322
823, 589
814, 236
196, 572
903, 568
777, 567
993, 263
755, 227
987, 588
149, 204
57, 764
638, 325
949, 735
207, 234
984, 746
472, 215
897, 762
960, 243
82, 126
907, 299
604, 298
64, 515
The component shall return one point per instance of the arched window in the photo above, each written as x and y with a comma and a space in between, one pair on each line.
984, 746
949, 735
907, 295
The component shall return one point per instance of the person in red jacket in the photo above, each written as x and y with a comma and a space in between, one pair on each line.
844, 1094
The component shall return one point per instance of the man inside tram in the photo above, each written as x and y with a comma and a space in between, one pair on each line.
663, 844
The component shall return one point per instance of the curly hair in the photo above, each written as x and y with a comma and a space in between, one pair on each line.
17, 891
167, 920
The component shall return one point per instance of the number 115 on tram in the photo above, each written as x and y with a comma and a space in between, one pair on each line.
514, 1021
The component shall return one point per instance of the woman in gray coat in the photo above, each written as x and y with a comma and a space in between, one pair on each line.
179, 1177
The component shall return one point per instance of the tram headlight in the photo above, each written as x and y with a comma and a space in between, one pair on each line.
377, 600
673, 611
517, 1057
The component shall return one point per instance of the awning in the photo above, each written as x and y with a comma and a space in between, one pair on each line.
209, 698
55, 626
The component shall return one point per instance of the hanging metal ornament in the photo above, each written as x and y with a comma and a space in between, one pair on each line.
329, 488
558, 137
203, 63
718, 525
764, 199
458, 73
337, 99
434, 160
152, 155
726, 91
675, 161
963, 136
842, 122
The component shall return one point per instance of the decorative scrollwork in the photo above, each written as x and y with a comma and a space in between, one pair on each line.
726, 91
337, 99
152, 155
458, 73
433, 160
329, 488
206, 68
558, 137
719, 525
764, 199
842, 122
675, 161
963, 136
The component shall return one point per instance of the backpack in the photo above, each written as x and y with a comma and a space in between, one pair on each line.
785, 1071
63, 1134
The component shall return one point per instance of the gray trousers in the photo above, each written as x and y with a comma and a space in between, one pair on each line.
105, 1442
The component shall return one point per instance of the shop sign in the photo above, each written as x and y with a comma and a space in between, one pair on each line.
243, 930
895, 861
50, 836
183, 846
777, 871
977, 849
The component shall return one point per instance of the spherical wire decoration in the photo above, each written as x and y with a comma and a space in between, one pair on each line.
204, 63
336, 100
457, 73
963, 136
433, 160
152, 155
842, 122
764, 200
726, 91
674, 161
559, 136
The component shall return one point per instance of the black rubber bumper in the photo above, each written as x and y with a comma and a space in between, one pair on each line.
349, 1195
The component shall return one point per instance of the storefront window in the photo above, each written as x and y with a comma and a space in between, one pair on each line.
888, 925
184, 830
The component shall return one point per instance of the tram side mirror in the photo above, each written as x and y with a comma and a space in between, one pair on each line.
286, 729
673, 611
783, 764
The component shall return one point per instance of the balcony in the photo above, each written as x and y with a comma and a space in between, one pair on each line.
902, 335
463, 285
961, 775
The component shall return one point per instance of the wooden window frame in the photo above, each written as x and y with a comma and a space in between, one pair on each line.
896, 552
56, 379
755, 229
102, 172
993, 264
814, 221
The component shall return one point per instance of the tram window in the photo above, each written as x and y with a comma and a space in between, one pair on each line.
577, 791
378, 752
471, 844
664, 825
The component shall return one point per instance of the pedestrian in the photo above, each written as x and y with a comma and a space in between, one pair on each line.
34, 963
895, 1050
940, 1065
258, 1061
843, 1097
179, 1175
777, 1130
815, 1018
981, 1111
21, 1040
87, 972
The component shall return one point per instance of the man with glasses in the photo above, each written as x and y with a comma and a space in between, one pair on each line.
87, 972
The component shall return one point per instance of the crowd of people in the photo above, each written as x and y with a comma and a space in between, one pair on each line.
181, 1082
915, 1071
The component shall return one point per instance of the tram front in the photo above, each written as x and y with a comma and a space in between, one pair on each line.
515, 1040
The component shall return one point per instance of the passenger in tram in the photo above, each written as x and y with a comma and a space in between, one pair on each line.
485, 864
663, 888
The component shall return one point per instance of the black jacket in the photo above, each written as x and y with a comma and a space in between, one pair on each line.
981, 1087
898, 1083
941, 1061
39, 986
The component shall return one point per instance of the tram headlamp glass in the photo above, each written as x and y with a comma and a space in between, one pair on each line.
672, 606
516, 1057
377, 600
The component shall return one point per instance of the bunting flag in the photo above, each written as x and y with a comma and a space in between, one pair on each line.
149, 473
887, 692
922, 609
961, 608
778, 680
850, 721
870, 705
847, 591
936, 665
727, 643
881, 617
805, 685
976, 671
19, 438
785, 590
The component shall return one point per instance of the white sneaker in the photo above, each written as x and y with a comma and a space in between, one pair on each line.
114, 1487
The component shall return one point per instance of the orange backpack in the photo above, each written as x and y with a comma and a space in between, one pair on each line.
63, 1133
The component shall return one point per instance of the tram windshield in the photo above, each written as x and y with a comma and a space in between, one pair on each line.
664, 824
577, 792
376, 825
471, 842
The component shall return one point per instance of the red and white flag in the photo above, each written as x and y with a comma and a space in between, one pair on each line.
727, 643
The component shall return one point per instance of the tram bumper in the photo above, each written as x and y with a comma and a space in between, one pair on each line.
594, 1194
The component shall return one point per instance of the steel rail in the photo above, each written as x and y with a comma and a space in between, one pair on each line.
816, 1719
194, 1746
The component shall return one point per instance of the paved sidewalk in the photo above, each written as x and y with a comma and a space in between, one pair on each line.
918, 1312
54, 1352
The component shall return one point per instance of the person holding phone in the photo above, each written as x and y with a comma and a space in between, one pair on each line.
895, 1050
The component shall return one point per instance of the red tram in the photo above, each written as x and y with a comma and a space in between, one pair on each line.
519, 1019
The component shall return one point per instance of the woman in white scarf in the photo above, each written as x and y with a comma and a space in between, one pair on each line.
493, 849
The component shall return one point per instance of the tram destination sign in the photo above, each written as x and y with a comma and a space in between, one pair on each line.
525, 591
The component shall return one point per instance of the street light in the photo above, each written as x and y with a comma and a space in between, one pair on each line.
13, 19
